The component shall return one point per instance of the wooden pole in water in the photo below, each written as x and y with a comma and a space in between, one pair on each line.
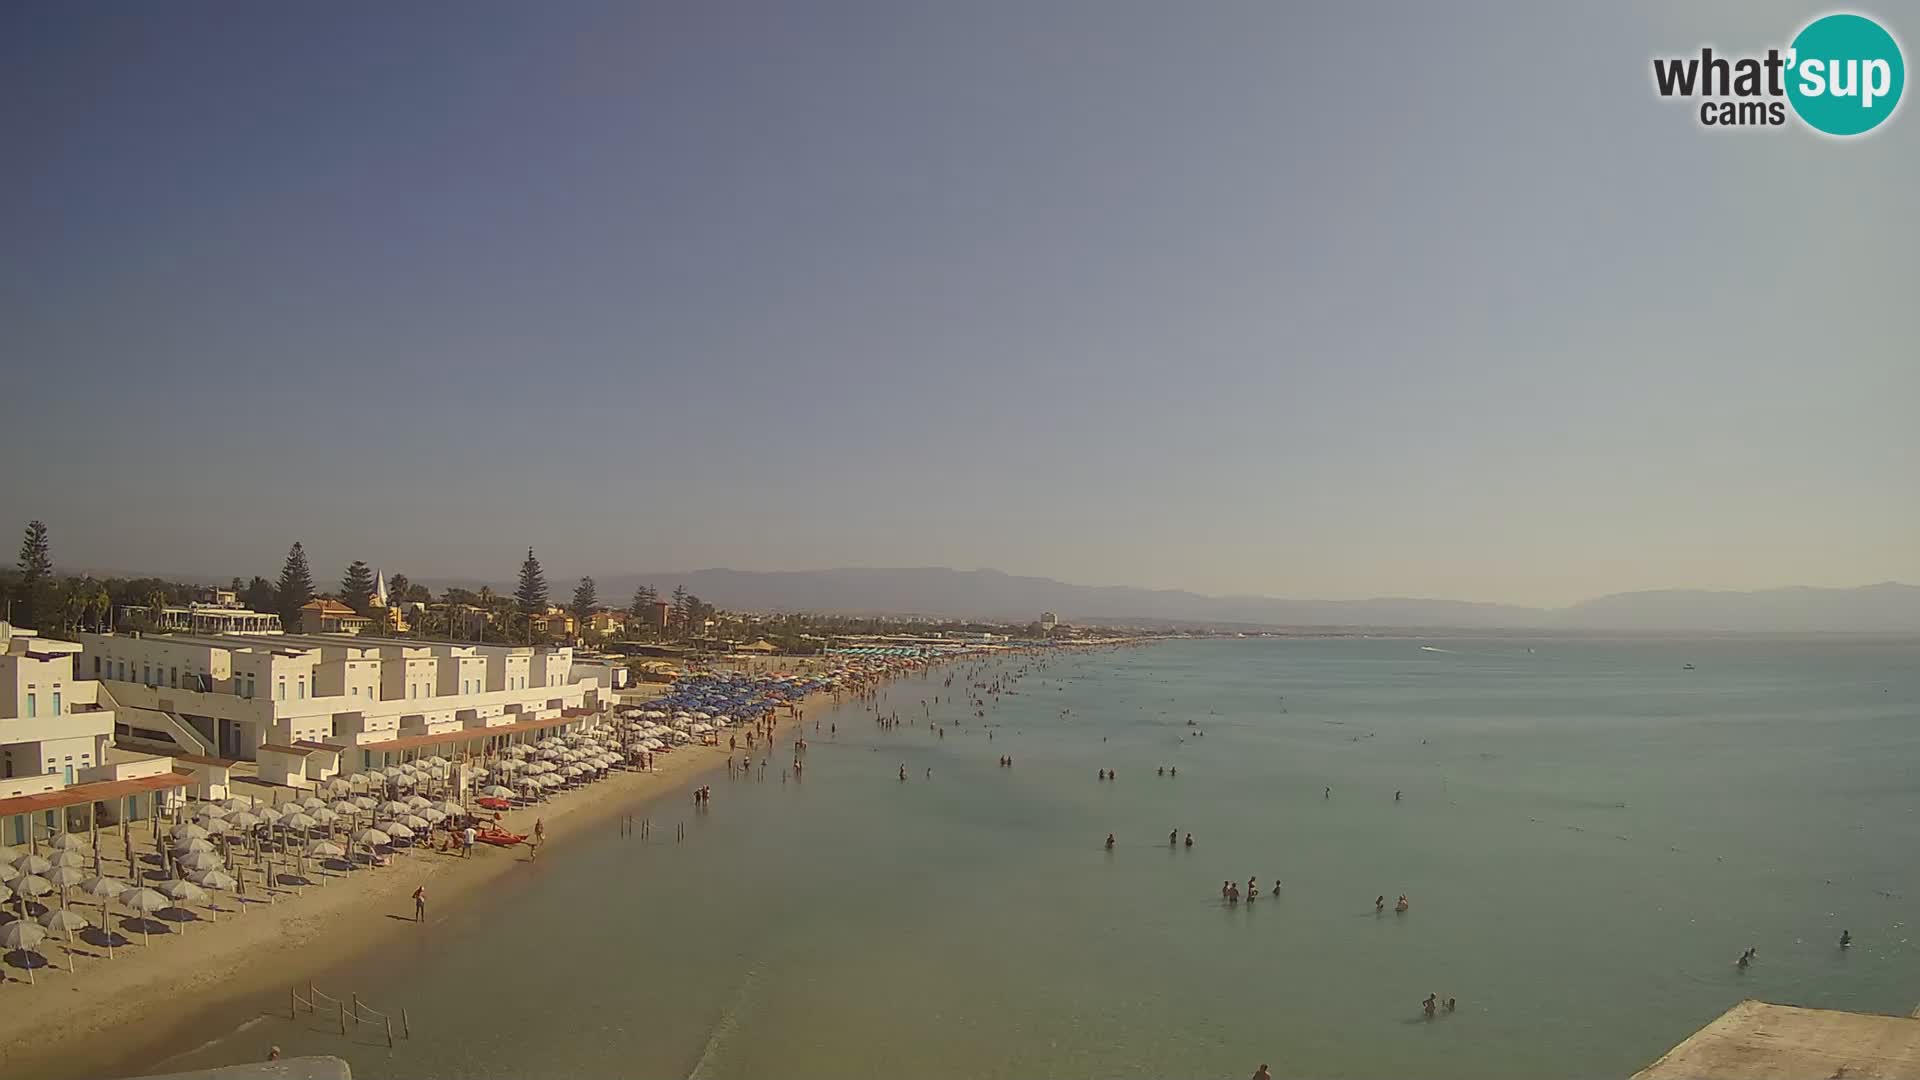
406, 1025
356, 1007
342, 1009
293, 1000
389, 1032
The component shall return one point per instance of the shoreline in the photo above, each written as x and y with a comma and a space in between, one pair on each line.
204, 983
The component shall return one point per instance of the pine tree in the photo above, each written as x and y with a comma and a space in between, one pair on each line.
585, 598
258, 595
397, 588
356, 587
37, 600
532, 593
643, 600
679, 609
296, 586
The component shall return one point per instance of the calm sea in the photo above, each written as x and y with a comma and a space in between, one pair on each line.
1590, 835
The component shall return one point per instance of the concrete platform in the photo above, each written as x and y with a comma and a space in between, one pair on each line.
1757, 1041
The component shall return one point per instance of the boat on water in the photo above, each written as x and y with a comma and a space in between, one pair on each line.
1687, 667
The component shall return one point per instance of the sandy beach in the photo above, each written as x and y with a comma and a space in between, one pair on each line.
184, 987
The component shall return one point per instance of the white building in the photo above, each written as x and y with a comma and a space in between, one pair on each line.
228, 695
1048, 620
58, 765
200, 618
52, 729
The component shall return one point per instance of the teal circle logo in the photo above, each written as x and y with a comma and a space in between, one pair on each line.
1845, 74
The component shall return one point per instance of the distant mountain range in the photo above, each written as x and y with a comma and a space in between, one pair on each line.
1890, 607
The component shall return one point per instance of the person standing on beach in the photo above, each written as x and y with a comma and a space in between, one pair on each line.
420, 904
467, 837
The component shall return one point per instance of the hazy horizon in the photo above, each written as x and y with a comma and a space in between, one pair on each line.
1385, 300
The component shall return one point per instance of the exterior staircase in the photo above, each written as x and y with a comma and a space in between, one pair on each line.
185, 738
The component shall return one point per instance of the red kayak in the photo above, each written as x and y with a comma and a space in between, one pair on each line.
498, 837
495, 804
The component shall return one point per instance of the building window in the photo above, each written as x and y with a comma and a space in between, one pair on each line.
280, 690
96, 667
173, 677
300, 688
33, 708
56, 703
146, 674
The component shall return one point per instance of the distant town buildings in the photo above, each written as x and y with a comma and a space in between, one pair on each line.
324, 616
1048, 620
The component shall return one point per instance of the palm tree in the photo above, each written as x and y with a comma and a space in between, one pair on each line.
156, 609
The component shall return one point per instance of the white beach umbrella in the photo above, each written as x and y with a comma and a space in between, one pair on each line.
365, 802
145, 902
23, 936
415, 802
188, 831
210, 809
63, 921
498, 792
324, 849
66, 876
323, 815
402, 781
183, 892
8, 854
347, 807
68, 857
70, 842
312, 803
432, 816
200, 860
416, 822
450, 808
243, 819
393, 808
399, 830
32, 864
6, 893
32, 885
215, 879
358, 780
298, 820
188, 847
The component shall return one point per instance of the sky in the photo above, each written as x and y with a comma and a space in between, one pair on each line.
1330, 300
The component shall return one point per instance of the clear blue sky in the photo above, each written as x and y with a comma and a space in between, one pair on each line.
1315, 300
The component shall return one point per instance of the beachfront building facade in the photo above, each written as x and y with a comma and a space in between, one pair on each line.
52, 729
228, 696
59, 767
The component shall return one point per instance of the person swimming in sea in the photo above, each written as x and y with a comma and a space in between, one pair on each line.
1109, 841
1189, 839
1380, 902
1233, 893
1401, 905
1173, 838
1328, 795
1846, 939
1427, 1005
1103, 774
1253, 889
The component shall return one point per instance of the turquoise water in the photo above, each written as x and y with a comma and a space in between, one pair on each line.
1589, 834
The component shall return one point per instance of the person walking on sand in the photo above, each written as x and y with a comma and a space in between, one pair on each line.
420, 904
467, 839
